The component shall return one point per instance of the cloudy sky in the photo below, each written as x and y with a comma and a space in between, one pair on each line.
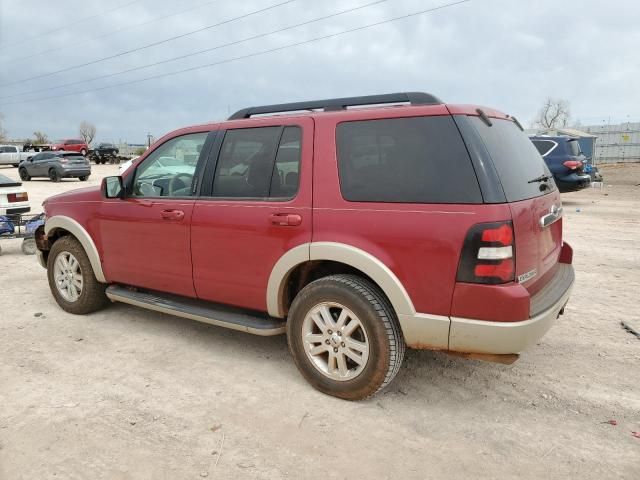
507, 54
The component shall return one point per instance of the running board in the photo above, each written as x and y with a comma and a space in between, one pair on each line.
215, 314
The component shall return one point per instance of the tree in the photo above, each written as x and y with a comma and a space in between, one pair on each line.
87, 132
3, 132
40, 137
554, 113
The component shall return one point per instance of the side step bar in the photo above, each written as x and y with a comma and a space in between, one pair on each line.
221, 315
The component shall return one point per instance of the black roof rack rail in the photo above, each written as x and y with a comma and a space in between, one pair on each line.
332, 104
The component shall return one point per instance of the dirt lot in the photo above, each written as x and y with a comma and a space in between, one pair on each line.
127, 393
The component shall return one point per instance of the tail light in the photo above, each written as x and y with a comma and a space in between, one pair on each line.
18, 197
572, 164
488, 254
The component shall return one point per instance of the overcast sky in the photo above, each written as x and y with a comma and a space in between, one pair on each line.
507, 54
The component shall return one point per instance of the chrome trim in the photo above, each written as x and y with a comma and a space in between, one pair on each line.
555, 214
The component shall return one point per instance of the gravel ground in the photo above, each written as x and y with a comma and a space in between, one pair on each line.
131, 394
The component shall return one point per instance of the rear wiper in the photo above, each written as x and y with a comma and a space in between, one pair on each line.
541, 178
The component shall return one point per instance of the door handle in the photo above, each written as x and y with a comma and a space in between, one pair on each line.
285, 219
172, 214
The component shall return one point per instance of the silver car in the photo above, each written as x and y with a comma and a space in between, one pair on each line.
55, 165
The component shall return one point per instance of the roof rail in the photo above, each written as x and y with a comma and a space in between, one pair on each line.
332, 104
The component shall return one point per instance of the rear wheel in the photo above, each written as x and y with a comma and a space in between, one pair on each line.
83, 152
114, 153
24, 176
71, 278
53, 175
344, 337
84, 178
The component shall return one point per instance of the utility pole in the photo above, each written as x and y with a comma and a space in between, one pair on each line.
149, 137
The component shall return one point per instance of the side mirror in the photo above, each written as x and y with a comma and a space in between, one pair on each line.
112, 187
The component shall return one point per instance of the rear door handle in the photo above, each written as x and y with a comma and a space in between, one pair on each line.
172, 214
285, 219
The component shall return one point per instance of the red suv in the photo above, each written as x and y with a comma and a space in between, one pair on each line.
71, 145
357, 231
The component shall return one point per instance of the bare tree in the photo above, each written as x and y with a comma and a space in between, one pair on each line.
87, 132
40, 137
554, 113
3, 132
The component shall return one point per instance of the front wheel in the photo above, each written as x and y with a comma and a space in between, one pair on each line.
344, 337
71, 278
24, 176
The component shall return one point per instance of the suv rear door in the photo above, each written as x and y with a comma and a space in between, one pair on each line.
255, 206
535, 203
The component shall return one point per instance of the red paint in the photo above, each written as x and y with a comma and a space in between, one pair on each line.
224, 251
76, 146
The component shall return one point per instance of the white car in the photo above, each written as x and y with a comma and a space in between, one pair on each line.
12, 155
14, 199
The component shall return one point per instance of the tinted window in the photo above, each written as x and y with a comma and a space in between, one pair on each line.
409, 160
515, 158
258, 163
543, 146
170, 169
574, 148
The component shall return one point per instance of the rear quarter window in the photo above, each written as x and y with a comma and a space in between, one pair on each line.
516, 159
405, 160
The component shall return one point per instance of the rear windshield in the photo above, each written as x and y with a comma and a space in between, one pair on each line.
516, 159
405, 160
71, 155
574, 148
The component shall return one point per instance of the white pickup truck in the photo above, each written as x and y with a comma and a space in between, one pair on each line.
12, 155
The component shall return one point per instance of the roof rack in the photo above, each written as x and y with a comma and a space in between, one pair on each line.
333, 104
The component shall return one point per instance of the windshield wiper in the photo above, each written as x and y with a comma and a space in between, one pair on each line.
541, 178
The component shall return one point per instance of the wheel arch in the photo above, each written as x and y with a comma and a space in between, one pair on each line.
58, 224
355, 259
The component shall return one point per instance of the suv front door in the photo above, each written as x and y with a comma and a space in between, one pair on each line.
255, 205
146, 238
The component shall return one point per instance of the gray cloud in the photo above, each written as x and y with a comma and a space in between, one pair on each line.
506, 54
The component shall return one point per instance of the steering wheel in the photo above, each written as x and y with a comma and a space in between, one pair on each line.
174, 180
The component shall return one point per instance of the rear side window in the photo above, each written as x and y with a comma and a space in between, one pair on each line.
574, 148
259, 162
544, 146
515, 158
405, 160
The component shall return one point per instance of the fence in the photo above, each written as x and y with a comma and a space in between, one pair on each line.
616, 143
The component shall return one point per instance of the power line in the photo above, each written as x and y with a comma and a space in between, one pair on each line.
160, 42
250, 55
199, 52
68, 24
113, 32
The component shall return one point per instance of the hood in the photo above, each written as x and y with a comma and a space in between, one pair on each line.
79, 195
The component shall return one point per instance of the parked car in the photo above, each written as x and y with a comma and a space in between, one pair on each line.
357, 231
565, 160
55, 165
14, 199
71, 145
11, 155
104, 149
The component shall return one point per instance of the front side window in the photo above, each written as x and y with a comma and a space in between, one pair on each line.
405, 160
259, 162
169, 171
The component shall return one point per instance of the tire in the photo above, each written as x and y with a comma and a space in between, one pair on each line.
114, 153
84, 178
16, 164
53, 175
24, 176
83, 152
378, 330
28, 246
91, 295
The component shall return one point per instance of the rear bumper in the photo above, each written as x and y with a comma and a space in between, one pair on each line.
75, 172
573, 182
481, 336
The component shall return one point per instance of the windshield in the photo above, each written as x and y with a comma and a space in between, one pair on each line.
516, 159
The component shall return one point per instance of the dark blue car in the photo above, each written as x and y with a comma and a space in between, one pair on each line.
565, 160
